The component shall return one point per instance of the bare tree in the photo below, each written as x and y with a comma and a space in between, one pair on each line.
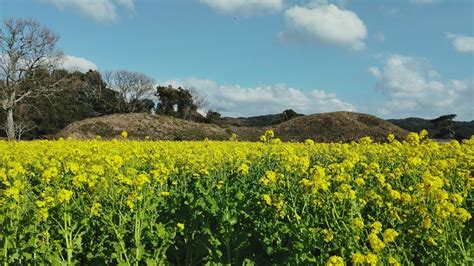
26, 47
21, 127
132, 86
199, 98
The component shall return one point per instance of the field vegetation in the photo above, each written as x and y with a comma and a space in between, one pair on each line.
124, 202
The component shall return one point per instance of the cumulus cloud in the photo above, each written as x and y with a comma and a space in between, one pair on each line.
413, 88
462, 43
74, 63
98, 10
234, 100
244, 7
326, 23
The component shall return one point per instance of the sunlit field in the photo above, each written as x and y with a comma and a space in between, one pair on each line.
127, 202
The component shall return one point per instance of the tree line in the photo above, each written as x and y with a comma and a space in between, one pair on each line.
38, 98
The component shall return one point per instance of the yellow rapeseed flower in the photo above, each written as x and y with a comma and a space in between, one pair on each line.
180, 226
269, 178
267, 199
376, 227
335, 261
358, 223
393, 261
371, 259
390, 137
328, 235
462, 214
96, 209
389, 235
431, 242
164, 194
426, 222
358, 259
64, 195
243, 169
375, 242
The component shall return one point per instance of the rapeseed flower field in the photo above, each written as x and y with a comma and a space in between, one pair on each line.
127, 202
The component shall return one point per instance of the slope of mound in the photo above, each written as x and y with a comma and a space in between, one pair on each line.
336, 127
257, 121
325, 127
140, 126
463, 129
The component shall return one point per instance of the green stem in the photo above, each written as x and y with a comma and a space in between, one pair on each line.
122, 245
228, 251
5, 251
68, 238
461, 245
137, 236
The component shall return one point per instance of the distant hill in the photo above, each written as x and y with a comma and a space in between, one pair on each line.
464, 130
258, 121
326, 127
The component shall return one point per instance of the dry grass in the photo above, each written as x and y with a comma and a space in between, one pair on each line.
325, 127
140, 126
337, 127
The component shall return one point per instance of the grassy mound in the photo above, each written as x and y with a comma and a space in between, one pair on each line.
325, 127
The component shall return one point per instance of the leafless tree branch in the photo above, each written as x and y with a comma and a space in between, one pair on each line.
25, 48
132, 86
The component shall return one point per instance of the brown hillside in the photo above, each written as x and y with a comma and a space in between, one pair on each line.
140, 126
335, 127
325, 127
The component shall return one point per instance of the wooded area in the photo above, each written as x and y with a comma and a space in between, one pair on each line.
38, 98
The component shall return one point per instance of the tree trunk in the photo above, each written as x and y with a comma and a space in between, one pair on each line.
10, 125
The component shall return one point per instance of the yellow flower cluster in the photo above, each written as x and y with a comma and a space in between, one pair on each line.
364, 203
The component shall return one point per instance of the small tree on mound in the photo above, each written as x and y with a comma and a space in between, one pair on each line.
289, 114
133, 87
166, 100
212, 116
178, 102
446, 126
285, 116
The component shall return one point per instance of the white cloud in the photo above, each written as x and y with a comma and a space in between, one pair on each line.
233, 100
326, 23
67, 62
462, 43
244, 7
390, 11
73, 63
414, 89
98, 10
127, 4
424, 2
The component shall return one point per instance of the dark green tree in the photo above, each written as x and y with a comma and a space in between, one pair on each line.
212, 116
167, 100
79, 96
446, 126
143, 106
177, 102
185, 105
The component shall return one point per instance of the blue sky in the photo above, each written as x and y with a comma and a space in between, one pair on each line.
391, 58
